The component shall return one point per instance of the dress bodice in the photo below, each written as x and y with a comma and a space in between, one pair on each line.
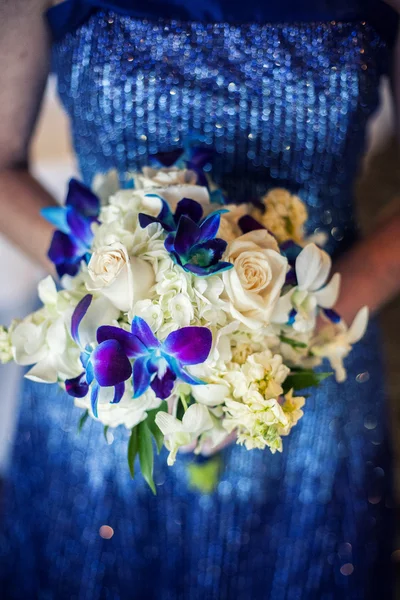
282, 104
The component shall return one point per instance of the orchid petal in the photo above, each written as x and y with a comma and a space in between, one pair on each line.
77, 387
166, 159
82, 199
80, 228
163, 386
142, 331
168, 424
141, 377
57, 216
131, 344
187, 235
200, 156
328, 295
189, 345
207, 253
118, 393
282, 309
78, 314
197, 419
312, 268
110, 364
64, 249
94, 396
247, 223
209, 227
206, 271
189, 208
181, 373
332, 315
146, 220
359, 326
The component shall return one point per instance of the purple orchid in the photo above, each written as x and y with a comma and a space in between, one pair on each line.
167, 219
191, 239
190, 157
72, 241
159, 364
106, 366
156, 364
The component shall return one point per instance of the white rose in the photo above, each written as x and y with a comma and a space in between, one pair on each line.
254, 285
164, 177
122, 279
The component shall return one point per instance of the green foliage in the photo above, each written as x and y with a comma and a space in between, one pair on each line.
133, 448
83, 420
204, 477
300, 379
146, 454
293, 343
155, 430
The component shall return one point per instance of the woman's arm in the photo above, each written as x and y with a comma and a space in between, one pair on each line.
371, 270
24, 50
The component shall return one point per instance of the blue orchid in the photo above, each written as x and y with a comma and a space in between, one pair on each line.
191, 239
159, 364
106, 366
167, 219
72, 240
156, 364
192, 157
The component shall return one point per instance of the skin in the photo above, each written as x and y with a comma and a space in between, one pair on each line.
370, 271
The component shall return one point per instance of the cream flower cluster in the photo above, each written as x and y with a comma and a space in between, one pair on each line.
262, 313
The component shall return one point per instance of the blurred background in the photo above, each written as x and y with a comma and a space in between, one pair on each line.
54, 164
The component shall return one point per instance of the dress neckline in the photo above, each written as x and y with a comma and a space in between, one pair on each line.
69, 15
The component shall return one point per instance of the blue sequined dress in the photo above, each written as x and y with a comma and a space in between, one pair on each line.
284, 105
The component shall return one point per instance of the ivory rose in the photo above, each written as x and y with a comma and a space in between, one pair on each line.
254, 285
122, 279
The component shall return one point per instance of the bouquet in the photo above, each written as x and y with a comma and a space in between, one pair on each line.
182, 316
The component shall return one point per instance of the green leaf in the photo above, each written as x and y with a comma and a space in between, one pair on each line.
293, 343
152, 425
105, 432
204, 477
83, 420
301, 379
146, 454
133, 448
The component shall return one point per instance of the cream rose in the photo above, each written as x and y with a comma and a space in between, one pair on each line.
122, 279
254, 285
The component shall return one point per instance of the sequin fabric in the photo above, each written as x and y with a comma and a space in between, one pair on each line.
283, 105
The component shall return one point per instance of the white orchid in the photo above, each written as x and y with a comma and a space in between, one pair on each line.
195, 421
335, 342
301, 303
